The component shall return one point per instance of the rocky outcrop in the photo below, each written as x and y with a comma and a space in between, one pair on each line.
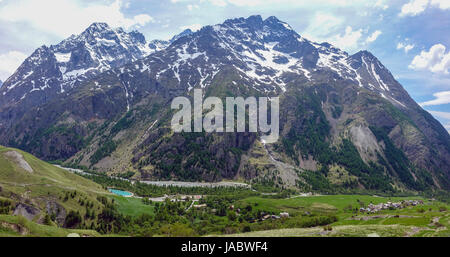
57, 211
27, 211
19, 160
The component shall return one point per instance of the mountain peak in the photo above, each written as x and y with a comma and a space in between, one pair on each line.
185, 32
251, 20
365, 53
272, 19
138, 36
255, 18
55, 69
98, 26
365, 56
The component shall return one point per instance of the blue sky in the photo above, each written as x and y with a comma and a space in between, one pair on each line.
410, 37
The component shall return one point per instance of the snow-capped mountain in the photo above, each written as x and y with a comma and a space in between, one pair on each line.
54, 70
1, 83
268, 54
336, 109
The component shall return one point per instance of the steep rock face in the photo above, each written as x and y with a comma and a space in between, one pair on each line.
338, 113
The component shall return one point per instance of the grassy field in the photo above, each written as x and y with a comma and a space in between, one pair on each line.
132, 206
320, 204
44, 174
45, 184
46, 180
430, 219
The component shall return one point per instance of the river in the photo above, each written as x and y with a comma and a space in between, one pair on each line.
170, 183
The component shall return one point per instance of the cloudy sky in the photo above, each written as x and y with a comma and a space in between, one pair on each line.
410, 37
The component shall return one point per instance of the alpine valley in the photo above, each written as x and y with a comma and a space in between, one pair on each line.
101, 101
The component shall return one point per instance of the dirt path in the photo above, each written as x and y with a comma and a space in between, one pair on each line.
190, 206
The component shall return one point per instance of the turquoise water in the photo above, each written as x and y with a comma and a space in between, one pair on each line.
120, 192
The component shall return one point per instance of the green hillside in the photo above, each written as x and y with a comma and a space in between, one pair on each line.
45, 194
39, 199
430, 219
13, 226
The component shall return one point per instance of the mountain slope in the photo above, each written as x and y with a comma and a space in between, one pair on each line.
34, 188
345, 122
51, 72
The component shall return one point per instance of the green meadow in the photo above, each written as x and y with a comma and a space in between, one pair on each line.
132, 206
321, 204
429, 219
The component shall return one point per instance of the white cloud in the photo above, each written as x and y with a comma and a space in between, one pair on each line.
323, 27
442, 115
193, 27
192, 7
447, 127
441, 98
374, 36
405, 46
288, 3
381, 4
349, 40
322, 24
9, 62
442, 4
435, 60
219, 2
140, 19
65, 17
414, 7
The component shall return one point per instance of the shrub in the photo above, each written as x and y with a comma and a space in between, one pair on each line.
73, 219
47, 220
5, 206
327, 228
439, 225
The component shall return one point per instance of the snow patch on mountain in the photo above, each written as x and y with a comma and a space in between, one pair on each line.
61, 67
62, 57
265, 53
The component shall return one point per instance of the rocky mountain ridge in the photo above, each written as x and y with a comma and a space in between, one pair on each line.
345, 122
